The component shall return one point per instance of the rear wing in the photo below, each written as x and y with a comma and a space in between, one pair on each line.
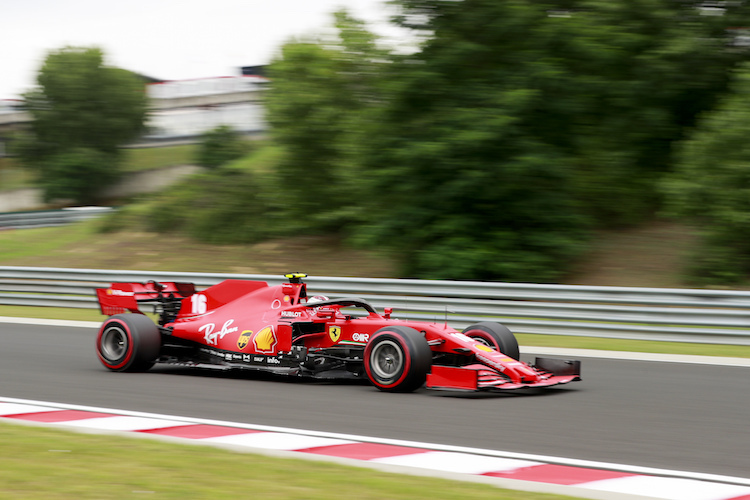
126, 297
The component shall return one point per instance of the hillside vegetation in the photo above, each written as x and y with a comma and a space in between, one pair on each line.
206, 223
653, 255
519, 141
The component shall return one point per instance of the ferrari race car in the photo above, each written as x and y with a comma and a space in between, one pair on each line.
281, 329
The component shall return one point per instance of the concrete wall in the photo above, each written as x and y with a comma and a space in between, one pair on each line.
19, 200
150, 181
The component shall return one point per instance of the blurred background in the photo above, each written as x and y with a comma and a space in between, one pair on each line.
583, 142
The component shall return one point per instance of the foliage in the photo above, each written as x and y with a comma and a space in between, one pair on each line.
463, 182
321, 95
220, 146
80, 104
152, 158
712, 185
229, 204
78, 174
492, 149
214, 209
13, 176
488, 152
472, 196
615, 81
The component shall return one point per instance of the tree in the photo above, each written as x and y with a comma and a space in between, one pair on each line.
78, 174
469, 177
518, 122
615, 80
514, 127
81, 104
711, 185
220, 146
321, 96
460, 190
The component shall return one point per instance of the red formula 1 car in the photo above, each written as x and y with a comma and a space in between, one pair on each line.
280, 329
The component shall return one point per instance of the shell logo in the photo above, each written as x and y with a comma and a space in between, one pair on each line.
265, 340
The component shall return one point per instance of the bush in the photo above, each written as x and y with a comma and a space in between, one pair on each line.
711, 185
220, 146
217, 207
79, 174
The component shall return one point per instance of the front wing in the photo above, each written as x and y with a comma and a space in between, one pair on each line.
478, 377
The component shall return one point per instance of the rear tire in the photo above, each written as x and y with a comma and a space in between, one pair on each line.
397, 359
496, 336
128, 343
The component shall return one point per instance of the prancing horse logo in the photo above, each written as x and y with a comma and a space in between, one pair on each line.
334, 332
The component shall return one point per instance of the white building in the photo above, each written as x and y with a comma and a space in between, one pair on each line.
188, 108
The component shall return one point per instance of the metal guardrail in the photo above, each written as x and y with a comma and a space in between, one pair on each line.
48, 218
680, 315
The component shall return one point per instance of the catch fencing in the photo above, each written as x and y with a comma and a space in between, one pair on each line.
665, 314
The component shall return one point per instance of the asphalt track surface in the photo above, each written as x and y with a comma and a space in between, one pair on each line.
676, 416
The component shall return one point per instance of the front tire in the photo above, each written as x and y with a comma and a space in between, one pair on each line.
496, 336
128, 343
397, 359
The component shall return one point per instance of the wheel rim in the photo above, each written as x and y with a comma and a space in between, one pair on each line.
114, 343
483, 341
386, 360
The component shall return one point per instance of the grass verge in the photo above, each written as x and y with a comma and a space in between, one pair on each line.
83, 246
651, 346
44, 463
13, 176
136, 160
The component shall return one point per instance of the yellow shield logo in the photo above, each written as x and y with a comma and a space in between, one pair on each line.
335, 333
244, 339
265, 340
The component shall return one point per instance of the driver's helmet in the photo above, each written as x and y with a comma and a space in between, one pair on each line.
316, 298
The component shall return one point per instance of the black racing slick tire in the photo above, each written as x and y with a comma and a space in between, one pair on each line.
496, 336
397, 359
128, 343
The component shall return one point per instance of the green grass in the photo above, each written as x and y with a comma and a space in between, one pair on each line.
43, 463
732, 351
82, 246
51, 313
13, 176
68, 314
264, 158
42, 242
136, 160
